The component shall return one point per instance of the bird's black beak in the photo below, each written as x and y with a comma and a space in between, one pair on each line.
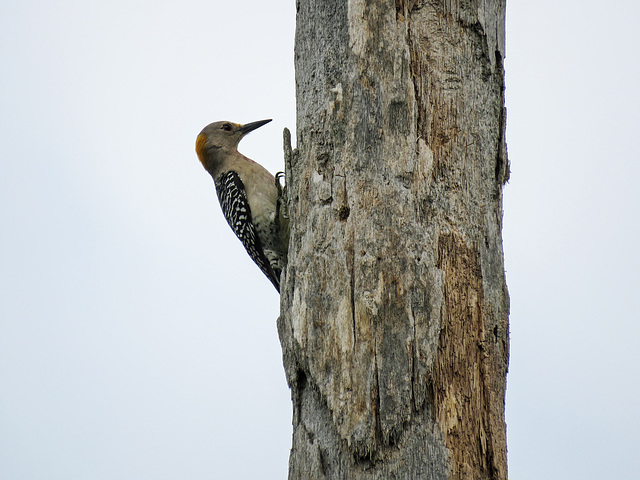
250, 127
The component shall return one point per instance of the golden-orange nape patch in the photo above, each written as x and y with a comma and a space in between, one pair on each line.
201, 141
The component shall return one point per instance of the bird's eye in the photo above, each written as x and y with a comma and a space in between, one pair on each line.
226, 127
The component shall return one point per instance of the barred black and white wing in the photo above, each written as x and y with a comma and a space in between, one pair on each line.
235, 207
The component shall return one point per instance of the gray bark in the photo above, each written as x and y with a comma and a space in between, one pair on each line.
394, 308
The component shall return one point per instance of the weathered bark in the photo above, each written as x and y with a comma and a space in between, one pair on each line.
394, 320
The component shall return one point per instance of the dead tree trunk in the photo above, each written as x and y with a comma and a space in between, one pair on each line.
394, 322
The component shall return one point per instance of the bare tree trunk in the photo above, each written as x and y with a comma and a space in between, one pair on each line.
394, 322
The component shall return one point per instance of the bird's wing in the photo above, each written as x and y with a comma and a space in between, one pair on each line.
235, 207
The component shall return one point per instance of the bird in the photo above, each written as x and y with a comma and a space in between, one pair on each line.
251, 198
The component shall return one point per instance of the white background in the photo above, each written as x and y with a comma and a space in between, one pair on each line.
131, 348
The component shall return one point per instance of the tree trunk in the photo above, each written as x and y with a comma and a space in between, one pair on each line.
394, 321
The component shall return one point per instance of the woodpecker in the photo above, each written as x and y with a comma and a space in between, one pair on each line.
249, 195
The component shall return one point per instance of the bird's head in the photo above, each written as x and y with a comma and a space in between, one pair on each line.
223, 136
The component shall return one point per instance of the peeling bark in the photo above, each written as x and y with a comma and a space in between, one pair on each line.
394, 321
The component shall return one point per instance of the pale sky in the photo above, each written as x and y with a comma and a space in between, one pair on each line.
132, 348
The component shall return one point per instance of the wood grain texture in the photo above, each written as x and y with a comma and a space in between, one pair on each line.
394, 320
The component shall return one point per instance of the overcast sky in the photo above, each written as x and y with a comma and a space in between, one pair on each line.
130, 348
